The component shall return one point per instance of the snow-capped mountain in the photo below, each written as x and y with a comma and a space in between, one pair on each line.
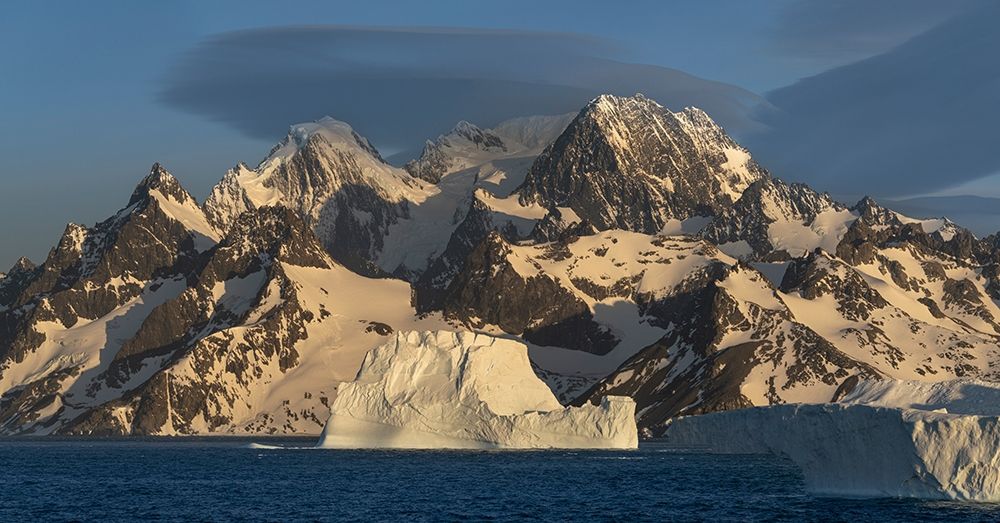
250, 335
257, 344
336, 180
467, 146
904, 306
630, 163
446, 154
637, 251
375, 218
776, 220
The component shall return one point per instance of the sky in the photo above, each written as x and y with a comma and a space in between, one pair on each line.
94, 92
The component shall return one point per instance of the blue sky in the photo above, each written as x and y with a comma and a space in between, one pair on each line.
83, 83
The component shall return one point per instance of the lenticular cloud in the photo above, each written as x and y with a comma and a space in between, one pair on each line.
401, 86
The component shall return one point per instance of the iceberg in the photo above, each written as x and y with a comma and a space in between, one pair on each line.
884, 439
463, 390
962, 396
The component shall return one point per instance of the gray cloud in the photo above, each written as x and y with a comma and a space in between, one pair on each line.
916, 119
854, 29
401, 86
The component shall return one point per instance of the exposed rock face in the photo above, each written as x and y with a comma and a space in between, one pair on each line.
629, 163
241, 320
491, 291
374, 218
462, 390
558, 225
195, 347
13, 282
159, 238
431, 288
93, 271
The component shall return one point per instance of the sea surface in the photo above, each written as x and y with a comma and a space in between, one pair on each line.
217, 479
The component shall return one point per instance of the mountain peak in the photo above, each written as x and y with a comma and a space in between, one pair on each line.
482, 139
451, 151
872, 213
22, 265
228, 199
336, 133
630, 163
158, 179
612, 103
464, 126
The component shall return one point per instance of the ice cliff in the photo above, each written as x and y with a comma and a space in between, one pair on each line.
465, 390
886, 439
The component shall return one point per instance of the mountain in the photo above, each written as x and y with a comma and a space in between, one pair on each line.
776, 220
466, 145
250, 335
336, 180
15, 278
442, 156
256, 344
374, 218
229, 198
635, 251
979, 214
631, 164
70, 314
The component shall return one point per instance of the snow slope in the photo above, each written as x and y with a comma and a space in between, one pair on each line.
469, 163
350, 314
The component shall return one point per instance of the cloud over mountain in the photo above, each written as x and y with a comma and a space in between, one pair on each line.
259, 80
918, 118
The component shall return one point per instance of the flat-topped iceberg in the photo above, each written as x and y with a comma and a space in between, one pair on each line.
909, 442
965, 396
465, 390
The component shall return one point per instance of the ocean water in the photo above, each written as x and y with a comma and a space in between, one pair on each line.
227, 479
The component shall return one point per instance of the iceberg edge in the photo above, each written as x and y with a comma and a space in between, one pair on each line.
861, 450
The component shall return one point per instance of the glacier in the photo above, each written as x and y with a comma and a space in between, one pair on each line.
463, 390
886, 438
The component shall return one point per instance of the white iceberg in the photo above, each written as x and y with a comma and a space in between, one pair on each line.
964, 396
887, 439
465, 390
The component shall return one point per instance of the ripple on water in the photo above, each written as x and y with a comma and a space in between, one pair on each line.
224, 479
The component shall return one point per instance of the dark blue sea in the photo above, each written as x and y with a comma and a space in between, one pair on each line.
227, 480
